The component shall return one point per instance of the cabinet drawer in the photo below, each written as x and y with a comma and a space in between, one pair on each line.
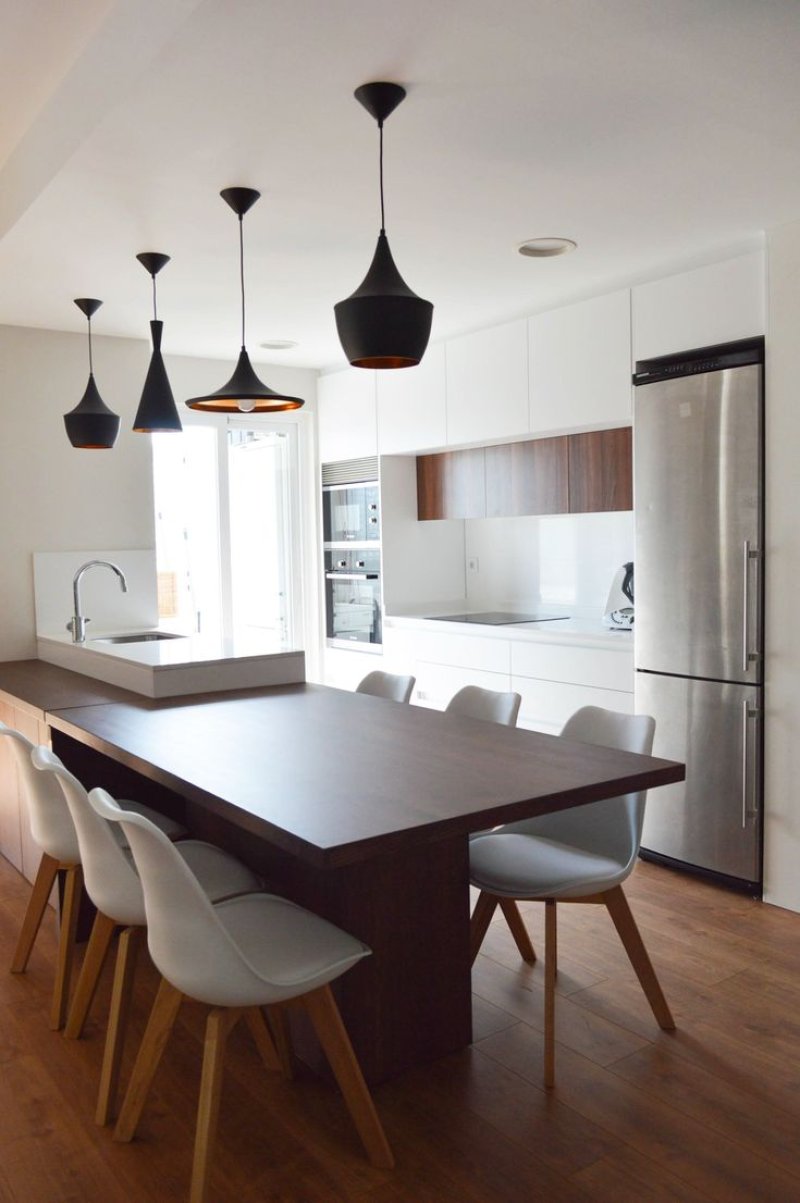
467, 651
436, 683
576, 665
546, 705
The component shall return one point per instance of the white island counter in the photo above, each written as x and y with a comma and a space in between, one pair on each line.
174, 667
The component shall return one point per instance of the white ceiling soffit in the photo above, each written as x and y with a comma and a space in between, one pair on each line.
656, 133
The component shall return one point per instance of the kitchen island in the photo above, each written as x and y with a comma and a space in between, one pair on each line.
361, 810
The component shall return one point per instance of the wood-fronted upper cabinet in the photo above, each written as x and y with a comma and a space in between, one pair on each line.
346, 415
600, 471
580, 364
487, 384
411, 405
714, 304
451, 485
527, 478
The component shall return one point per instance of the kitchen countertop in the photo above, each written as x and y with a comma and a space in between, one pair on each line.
174, 667
583, 630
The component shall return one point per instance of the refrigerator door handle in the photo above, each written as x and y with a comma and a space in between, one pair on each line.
747, 656
748, 712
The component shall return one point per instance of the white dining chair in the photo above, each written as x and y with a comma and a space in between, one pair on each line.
113, 886
387, 685
54, 833
491, 705
236, 956
582, 854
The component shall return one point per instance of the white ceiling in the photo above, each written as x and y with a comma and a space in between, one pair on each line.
657, 133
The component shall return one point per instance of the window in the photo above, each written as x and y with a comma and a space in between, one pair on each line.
227, 518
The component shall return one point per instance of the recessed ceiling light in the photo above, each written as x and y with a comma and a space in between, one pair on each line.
544, 248
278, 344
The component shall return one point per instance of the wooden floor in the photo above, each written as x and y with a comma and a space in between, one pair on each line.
709, 1112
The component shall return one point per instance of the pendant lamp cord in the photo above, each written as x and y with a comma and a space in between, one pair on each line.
383, 219
89, 323
241, 270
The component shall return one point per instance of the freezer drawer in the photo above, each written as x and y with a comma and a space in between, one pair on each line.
711, 820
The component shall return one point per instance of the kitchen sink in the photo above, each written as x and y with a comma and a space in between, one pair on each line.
137, 637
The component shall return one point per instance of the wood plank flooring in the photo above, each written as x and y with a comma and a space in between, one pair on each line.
711, 1112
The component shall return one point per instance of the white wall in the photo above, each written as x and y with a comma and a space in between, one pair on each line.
782, 695
564, 560
56, 498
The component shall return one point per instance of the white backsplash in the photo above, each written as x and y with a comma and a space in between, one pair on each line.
102, 599
567, 560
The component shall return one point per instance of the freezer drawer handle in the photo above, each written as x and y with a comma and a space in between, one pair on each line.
747, 656
748, 712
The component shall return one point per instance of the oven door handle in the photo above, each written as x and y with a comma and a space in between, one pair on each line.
351, 576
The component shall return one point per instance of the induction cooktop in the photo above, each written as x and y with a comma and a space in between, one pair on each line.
497, 618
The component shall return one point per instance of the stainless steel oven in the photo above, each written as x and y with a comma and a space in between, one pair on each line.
353, 598
350, 513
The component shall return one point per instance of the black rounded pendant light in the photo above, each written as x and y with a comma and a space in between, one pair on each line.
383, 324
91, 424
244, 392
157, 412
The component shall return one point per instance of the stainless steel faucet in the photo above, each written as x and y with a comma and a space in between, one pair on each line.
77, 624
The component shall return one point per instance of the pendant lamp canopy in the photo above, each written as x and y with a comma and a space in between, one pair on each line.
383, 324
91, 424
244, 392
157, 412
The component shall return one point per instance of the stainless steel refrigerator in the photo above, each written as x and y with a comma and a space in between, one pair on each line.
699, 506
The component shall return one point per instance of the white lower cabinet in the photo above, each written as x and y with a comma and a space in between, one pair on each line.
436, 683
556, 679
553, 679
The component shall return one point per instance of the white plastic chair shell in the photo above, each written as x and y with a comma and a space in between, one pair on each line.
248, 951
51, 827
387, 685
491, 705
109, 874
583, 850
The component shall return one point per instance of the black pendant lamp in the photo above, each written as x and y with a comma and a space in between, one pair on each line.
91, 424
383, 324
157, 412
244, 392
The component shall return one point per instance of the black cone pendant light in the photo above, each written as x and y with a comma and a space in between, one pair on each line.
157, 411
383, 324
244, 392
91, 424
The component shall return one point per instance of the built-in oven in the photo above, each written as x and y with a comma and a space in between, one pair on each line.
350, 513
353, 598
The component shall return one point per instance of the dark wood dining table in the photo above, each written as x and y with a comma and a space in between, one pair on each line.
360, 809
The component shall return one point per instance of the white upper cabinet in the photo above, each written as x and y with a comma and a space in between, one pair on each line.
411, 405
714, 304
346, 415
580, 364
487, 384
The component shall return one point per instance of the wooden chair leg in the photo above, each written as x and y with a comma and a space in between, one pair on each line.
89, 976
218, 1027
518, 929
620, 912
159, 1025
45, 877
73, 887
279, 1025
479, 923
130, 942
550, 970
254, 1018
324, 1014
